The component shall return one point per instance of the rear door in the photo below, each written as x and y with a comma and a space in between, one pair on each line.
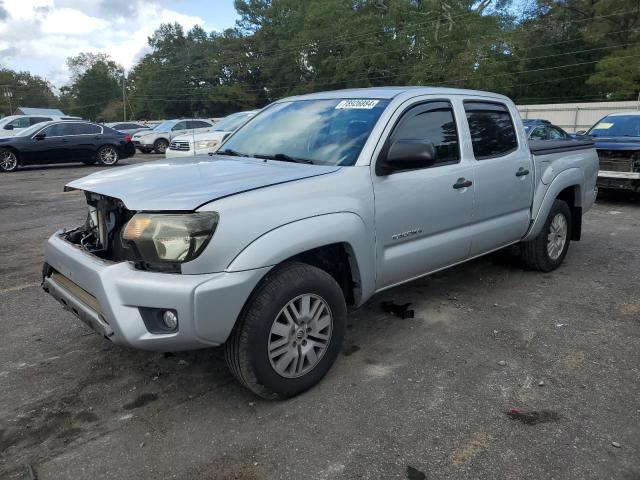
422, 216
503, 174
85, 141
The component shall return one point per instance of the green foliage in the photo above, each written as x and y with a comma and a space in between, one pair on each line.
96, 90
550, 51
26, 90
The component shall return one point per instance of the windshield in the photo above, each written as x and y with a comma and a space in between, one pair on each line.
164, 126
232, 122
617, 126
326, 132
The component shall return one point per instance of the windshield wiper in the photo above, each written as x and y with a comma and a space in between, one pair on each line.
230, 152
283, 157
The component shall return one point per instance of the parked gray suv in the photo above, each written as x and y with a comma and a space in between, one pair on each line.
311, 207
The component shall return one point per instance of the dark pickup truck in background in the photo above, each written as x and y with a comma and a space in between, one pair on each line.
617, 140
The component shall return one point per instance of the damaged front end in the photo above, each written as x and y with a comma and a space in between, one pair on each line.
619, 167
100, 234
155, 241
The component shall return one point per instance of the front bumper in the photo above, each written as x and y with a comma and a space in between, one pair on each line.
619, 175
188, 153
108, 296
178, 153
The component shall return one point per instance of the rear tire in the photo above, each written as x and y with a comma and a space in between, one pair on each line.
9, 160
160, 145
108, 155
547, 250
289, 333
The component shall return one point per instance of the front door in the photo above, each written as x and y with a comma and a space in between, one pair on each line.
423, 215
47, 146
178, 129
503, 176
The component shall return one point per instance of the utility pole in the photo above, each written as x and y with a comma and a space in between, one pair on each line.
8, 95
124, 104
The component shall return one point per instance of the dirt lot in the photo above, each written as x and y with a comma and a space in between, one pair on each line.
419, 398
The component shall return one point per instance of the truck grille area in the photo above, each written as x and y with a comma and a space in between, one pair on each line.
619, 160
180, 145
100, 234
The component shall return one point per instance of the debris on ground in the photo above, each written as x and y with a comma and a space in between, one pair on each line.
31, 472
415, 474
560, 325
401, 311
541, 383
502, 363
183, 362
615, 444
533, 417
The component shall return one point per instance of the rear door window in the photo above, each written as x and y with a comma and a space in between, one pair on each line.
492, 131
36, 120
180, 126
86, 129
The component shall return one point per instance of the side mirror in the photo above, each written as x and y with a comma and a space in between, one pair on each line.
40, 136
581, 132
8, 127
407, 154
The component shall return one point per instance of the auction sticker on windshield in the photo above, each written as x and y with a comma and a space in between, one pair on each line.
363, 104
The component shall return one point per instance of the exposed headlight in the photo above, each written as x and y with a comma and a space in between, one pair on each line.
169, 237
206, 144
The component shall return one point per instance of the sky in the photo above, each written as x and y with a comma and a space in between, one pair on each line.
39, 35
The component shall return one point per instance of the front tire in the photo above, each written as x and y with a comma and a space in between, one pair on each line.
9, 161
289, 333
108, 155
160, 145
547, 250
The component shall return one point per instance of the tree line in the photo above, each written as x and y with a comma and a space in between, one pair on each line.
549, 51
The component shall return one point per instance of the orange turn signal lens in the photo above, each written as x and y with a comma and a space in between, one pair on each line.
135, 227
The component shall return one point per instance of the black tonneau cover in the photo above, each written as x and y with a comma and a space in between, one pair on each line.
545, 147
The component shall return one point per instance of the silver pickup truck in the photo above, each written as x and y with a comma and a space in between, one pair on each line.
313, 206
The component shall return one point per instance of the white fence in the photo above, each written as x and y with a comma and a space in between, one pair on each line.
576, 116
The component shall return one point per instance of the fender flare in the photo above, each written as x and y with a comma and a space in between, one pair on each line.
286, 241
572, 177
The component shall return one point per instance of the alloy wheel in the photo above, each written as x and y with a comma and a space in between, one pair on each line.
8, 160
300, 335
108, 155
557, 237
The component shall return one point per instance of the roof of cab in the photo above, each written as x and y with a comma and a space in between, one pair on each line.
389, 93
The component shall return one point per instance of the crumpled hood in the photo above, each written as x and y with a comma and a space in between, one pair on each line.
179, 184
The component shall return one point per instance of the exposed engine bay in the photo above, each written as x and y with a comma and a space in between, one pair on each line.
100, 234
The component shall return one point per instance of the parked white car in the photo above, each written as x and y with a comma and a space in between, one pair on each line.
12, 124
158, 138
208, 142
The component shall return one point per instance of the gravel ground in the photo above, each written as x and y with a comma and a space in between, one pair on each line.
504, 373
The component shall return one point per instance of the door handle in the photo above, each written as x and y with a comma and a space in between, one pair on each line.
462, 183
522, 172
64, 140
